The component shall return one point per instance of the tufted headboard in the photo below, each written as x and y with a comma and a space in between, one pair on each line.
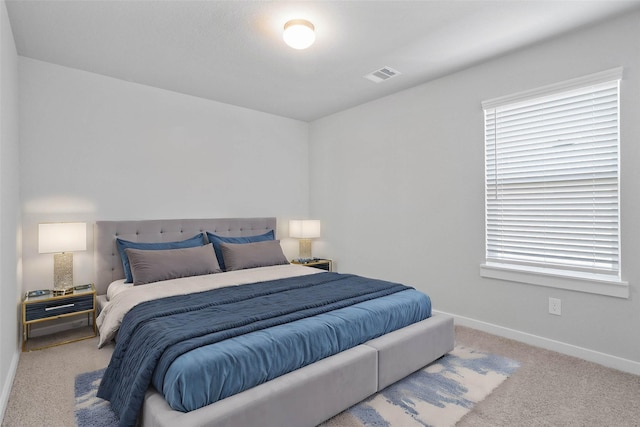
108, 266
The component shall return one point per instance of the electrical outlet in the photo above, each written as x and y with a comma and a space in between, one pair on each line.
555, 306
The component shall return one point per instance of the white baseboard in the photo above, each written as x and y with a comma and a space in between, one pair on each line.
6, 388
604, 359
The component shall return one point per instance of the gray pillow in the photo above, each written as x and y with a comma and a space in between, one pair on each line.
238, 256
154, 265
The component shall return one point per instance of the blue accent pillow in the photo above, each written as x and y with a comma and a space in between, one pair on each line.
217, 240
197, 240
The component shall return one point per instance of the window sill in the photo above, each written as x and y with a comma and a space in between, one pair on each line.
601, 285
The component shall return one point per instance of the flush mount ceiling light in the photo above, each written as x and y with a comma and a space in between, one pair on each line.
299, 33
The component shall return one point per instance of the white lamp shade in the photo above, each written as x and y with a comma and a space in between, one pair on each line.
304, 228
299, 33
62, 237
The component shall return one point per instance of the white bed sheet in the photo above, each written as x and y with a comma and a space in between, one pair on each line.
116, 287
125, 297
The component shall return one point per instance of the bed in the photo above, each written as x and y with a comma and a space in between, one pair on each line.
305, 396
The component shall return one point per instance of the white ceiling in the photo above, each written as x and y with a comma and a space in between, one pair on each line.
232, 51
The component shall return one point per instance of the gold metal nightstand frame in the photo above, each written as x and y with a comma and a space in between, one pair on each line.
26, 324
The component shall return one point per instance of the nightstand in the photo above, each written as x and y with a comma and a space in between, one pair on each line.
43, 308
321, 263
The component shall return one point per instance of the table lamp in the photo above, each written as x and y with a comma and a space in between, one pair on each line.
62, 239
305, 230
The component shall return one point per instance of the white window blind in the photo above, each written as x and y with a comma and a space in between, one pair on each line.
552, 179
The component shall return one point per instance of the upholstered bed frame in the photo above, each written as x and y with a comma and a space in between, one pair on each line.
305, 397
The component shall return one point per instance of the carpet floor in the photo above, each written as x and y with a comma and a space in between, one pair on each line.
549, 389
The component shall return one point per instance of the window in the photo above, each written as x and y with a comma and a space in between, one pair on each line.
552, 181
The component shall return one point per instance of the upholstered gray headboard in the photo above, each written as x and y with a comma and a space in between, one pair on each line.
108, 266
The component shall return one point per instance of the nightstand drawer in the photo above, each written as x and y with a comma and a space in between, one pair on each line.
321, 263
53, 308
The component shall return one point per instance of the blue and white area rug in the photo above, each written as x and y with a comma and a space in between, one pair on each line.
438, 395
90, 410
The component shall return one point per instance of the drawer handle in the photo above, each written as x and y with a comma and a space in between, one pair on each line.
58, 307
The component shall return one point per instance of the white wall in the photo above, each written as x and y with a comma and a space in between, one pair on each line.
399, 185
98, 148
10, 278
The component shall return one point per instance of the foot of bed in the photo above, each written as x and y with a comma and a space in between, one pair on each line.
411, 348
317, 392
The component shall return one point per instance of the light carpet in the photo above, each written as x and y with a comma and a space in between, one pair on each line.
438, 395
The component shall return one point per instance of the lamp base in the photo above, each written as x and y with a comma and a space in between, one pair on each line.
62, 270
305, 249
67, 290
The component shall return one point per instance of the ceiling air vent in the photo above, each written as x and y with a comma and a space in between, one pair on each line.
382, 74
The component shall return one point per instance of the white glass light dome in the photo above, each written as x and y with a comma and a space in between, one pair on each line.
299, 33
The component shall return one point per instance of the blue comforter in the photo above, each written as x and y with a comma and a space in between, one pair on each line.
156, 333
